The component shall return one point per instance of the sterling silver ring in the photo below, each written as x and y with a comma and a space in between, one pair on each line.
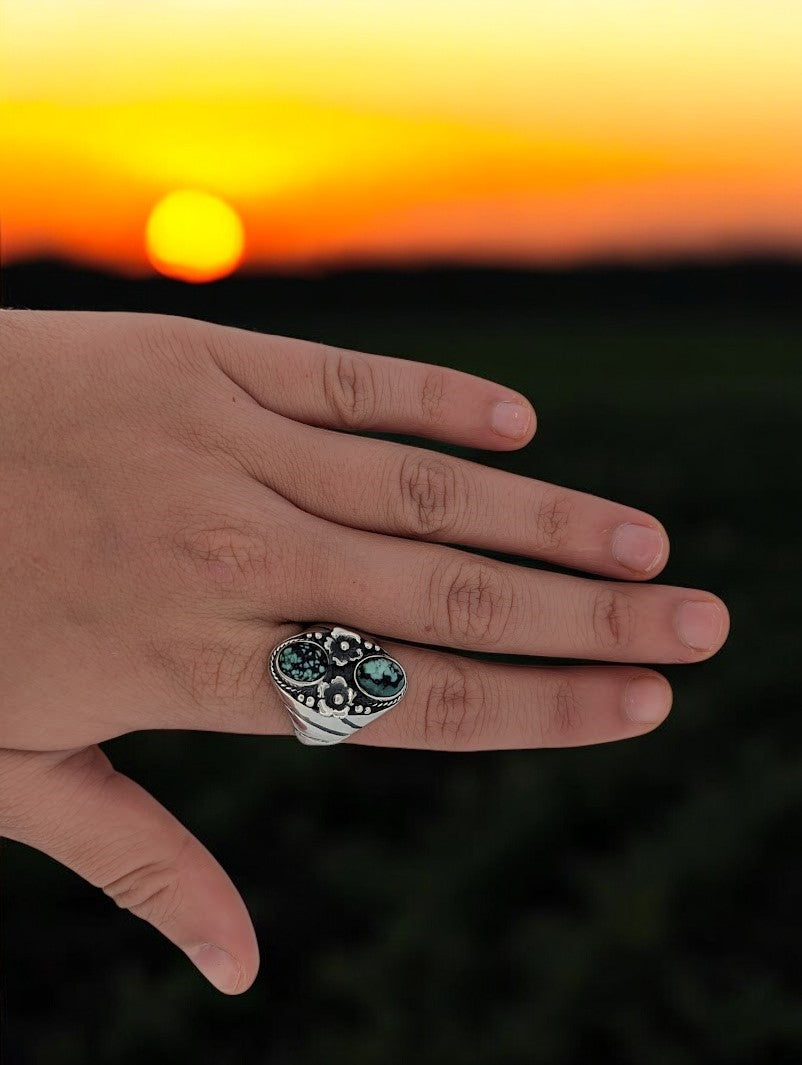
334, 681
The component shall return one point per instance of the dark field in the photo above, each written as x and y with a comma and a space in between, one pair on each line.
637, 902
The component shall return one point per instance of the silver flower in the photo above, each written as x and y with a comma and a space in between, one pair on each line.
343, 646
335, 698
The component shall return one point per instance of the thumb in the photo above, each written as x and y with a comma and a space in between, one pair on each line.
109, 830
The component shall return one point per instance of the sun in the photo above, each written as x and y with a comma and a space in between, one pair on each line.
194, 235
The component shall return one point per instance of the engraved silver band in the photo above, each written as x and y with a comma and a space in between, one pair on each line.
334, 681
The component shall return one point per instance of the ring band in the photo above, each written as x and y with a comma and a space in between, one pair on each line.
334, 681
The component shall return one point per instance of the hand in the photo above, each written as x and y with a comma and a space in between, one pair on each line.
175, 503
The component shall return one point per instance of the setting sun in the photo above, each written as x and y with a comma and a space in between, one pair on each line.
194, 236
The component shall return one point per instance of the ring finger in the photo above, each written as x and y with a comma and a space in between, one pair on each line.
452, 702
458, 703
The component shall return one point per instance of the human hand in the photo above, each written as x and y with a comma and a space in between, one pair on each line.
175, 503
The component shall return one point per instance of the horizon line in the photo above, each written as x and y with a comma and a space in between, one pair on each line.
707, 261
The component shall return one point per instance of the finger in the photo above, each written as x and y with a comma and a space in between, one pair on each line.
438, 595
454, 702
463, 704
110, 831
415, 493
340, 389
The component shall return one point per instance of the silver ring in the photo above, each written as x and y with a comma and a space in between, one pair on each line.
334, 681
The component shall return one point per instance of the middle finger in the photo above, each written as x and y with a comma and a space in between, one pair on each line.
442, 596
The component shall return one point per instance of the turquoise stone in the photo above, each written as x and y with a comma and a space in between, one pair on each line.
303, 662
379, 676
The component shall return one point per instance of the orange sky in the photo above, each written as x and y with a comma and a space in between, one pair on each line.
504, 131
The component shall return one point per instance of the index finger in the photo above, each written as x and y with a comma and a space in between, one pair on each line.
335, 388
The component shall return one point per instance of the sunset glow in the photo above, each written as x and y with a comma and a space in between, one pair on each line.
514, 132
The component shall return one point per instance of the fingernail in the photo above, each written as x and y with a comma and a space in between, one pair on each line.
637, 547
647, 700
217, 965
510, 419
699, 624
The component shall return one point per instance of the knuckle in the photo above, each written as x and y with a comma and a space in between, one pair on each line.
153, 891
564, 713
612, 619
552, 520
454, 709
224, 556
349, 387
470, 601
432, 395
429, 496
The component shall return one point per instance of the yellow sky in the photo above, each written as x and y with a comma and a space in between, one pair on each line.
509, 130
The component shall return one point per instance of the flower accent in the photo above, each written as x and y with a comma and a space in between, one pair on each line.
335, 698
343, 646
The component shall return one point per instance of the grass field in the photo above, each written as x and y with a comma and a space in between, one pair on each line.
635, 902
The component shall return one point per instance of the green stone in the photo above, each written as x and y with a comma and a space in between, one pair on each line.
303, 662
380, 677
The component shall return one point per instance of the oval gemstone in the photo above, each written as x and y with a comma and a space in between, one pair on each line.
302, 662
380, 677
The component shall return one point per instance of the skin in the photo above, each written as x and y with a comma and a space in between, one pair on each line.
177, 500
